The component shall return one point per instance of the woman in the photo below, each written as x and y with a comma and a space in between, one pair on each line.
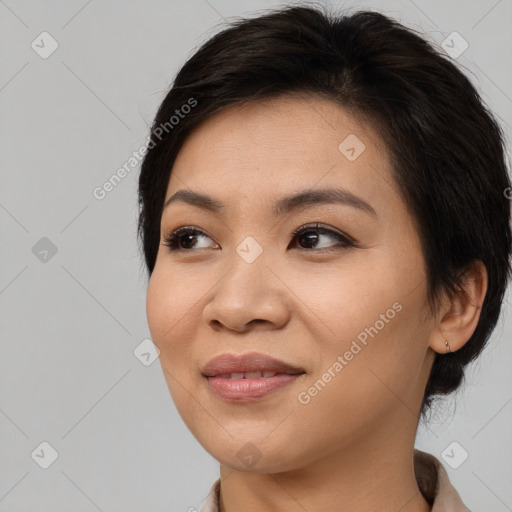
325, 223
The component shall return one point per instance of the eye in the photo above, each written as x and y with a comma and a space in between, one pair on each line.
183, 238
312, 234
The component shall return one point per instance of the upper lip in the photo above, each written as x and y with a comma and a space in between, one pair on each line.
248, 362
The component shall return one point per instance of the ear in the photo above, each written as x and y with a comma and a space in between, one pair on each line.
458, 317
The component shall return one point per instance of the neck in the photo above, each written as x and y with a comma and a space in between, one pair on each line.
376, 477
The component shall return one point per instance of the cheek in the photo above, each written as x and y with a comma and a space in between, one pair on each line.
344, 301
373, 320
170, 299
157, 307
167, 311
361, 383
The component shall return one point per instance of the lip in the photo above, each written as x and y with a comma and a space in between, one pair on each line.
248, 362
244, 390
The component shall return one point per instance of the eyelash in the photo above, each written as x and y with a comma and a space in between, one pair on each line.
173, 239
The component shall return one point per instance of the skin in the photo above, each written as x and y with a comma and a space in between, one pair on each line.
351, 447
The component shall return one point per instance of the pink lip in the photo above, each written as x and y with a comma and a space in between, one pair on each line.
248, 389
248, 362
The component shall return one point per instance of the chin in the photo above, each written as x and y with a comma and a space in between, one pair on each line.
249, 454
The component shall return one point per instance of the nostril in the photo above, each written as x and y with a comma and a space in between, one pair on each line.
257, 320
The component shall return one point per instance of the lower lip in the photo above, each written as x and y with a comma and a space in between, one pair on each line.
248, 390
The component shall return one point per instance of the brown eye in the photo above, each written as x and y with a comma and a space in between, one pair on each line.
184, 238
309, 237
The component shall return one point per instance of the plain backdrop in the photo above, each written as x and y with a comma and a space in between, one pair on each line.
80, 82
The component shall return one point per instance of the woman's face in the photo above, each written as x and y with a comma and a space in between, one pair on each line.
344, 302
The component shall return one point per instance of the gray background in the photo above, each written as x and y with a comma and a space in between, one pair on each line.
70, 321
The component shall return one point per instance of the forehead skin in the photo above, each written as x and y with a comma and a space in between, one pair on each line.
252, 155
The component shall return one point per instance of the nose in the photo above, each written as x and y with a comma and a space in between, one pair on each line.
250, 296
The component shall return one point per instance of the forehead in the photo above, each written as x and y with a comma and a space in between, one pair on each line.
266, 149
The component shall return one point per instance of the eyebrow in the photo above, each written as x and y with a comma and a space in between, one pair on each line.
283, 206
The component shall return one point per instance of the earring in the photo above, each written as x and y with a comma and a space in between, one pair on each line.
447, 346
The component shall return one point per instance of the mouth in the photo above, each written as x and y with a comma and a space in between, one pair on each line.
248, 365
255, 375
248, 377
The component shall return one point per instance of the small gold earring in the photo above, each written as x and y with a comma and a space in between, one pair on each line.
447, 346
